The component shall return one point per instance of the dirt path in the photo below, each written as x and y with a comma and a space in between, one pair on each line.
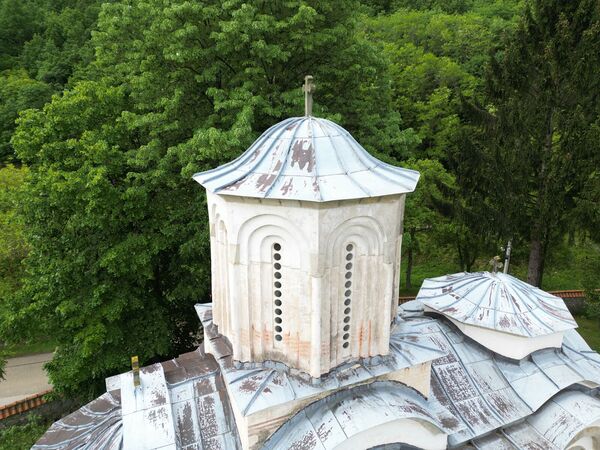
25, 376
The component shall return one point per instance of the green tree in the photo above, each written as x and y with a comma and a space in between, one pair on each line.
118, 230
63, 45
13, 246
19, 21
427, 92
543, 105
428, 209
17, 93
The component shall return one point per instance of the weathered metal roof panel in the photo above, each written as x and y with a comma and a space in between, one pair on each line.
486, 391
491, 441
333, 419
525, 437
497, 301
95, 425
311, 159
554, 425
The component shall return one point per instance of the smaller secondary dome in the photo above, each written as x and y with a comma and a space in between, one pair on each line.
498, 302
307, 158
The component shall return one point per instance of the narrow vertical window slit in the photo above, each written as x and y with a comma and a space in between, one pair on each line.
277, 293
347, 302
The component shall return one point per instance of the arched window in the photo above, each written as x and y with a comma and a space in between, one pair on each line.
277, 293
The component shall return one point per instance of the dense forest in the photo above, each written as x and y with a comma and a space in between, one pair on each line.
108, 107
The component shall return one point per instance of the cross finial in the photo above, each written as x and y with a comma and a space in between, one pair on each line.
308, 88
496, 264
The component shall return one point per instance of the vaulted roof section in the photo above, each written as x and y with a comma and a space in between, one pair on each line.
311, 159
498, 302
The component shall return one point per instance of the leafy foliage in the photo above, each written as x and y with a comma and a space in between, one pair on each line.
18, 92
104, 235
22, 437
428, 209
13, 247
118, 230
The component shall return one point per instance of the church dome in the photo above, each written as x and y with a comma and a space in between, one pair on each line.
496, 301
311, 159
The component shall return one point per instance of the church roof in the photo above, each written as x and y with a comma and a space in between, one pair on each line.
486, 391
180, 403
311, 159
496, 301
95, 425
480, 399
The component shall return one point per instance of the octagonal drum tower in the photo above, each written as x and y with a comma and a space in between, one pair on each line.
306, 232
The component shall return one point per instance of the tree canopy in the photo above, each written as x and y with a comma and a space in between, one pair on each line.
108, 108
118, 230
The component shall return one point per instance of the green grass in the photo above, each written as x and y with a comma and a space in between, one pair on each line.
22, 437
29, 348
421, 271
590, 331
568, 266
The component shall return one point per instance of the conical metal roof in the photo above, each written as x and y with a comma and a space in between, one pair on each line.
307, 158
496, 301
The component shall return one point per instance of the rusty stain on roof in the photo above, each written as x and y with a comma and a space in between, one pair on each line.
487, 391
551, 428
260, 386
300, 149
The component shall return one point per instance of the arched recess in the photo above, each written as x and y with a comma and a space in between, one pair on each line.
357, 284
273, 261
362, 417
587, 439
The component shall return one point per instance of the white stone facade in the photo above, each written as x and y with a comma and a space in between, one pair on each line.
309, 284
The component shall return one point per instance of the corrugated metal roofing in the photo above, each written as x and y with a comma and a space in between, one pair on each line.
496, 301
553, 427
307, 158
486, 391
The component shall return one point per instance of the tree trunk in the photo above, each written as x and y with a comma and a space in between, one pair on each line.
537, 245
536, 259
409, 263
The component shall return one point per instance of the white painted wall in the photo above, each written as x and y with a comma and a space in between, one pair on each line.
314, 238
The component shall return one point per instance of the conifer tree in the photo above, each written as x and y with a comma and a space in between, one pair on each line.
541, 140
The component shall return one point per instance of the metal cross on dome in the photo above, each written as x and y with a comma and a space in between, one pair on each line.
496, 264
308, 88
